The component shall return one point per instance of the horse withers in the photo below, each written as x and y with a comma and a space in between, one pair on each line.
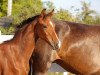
15, 53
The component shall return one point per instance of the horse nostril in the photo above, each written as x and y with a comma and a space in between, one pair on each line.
56, 45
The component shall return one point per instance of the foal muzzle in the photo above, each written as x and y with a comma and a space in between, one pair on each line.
56, 46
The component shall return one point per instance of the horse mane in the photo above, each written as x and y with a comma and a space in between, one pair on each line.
26, 21
23, 24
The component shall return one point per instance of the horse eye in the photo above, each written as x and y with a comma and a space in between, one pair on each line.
44, 26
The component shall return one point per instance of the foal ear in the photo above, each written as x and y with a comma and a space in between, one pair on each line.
51, 13
43, 12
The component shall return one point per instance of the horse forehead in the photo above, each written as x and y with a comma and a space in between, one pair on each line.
51, 23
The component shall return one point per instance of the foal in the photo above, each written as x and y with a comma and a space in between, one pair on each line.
15, 53
43, 53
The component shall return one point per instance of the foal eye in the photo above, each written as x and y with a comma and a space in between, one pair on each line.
44, 26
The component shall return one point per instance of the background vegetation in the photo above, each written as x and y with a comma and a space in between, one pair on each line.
23, 9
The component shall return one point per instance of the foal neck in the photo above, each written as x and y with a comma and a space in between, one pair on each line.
26, 37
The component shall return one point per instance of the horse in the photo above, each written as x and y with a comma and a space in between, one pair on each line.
79, 52
41, 61
80, 49
15, 53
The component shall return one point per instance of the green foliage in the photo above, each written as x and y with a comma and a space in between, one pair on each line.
3, 8
96, 20
64, 15
7, 30
87, 15
61, 14
23, 9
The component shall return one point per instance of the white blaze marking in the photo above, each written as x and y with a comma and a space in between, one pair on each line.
58, 39
59, 43
51, 24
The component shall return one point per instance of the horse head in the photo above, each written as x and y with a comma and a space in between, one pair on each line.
45, 29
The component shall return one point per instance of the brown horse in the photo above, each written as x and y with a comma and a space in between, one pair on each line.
41, 60
79, 52
15, 53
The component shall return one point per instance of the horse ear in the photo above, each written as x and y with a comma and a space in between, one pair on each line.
51, 13
43, 12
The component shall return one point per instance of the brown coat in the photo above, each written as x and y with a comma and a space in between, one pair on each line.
79, 52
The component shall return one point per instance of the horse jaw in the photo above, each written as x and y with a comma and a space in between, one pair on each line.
54, 56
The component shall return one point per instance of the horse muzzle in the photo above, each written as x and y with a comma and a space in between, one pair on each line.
56, 46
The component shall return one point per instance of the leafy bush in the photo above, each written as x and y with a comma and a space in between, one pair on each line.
64, 15
7, 30
3, 8
23, 9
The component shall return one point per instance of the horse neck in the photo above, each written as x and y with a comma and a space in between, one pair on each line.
26, 41
62, 30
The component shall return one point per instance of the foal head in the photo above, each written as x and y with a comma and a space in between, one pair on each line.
45, 29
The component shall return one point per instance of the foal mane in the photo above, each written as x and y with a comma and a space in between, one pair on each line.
23, 24
26, 21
